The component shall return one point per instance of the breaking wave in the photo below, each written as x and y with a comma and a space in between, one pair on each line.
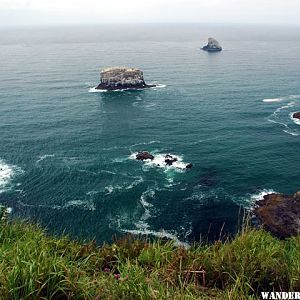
7, 172
259, 195
281, 99
283, 120
159, 161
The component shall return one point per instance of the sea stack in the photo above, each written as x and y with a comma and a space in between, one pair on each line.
279, 214
120, 78
212, 46
296, 115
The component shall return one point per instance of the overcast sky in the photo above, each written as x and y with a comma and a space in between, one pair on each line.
53, 12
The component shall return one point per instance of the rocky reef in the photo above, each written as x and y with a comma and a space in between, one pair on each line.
163, 160
296, 115
144, 155
212, 46
279, 214
120, 78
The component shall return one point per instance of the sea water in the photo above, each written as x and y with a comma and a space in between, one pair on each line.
67, 151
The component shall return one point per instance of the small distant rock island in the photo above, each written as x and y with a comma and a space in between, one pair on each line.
296, 115
280, 214
121, 78
212, 46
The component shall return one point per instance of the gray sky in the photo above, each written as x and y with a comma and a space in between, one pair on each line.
53, 12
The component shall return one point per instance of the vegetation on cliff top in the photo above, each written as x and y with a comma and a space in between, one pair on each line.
35, 265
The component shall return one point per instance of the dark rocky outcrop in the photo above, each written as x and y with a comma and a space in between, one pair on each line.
212, 46
144, 155
163, 160
296, 115
122, 78
279, 214
169, 159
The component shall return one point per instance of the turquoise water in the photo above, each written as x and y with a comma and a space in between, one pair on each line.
65, 152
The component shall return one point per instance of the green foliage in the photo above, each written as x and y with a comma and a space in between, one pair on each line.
34, 265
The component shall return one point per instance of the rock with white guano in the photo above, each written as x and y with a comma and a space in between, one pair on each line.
118, 78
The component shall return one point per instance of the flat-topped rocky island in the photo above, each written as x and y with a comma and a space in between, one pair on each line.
122, 78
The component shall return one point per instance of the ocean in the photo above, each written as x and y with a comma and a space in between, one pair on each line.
67, 152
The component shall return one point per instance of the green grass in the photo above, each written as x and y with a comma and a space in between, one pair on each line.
35, 265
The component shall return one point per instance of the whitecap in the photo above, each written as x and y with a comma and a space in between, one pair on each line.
7, 172
281, 99
273, 100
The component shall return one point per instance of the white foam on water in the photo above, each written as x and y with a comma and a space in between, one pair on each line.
275, 119
159, 161
109, 189
92, 193
86, 205
125, 185
273, 100
281, 99
7, 172
290, 104
139, 179
149, 193
259, 195
108, 172
158, 86
295, 120
43, 157
94, 90
290, 132
160, 234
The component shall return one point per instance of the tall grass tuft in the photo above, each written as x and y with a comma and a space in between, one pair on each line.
35, 265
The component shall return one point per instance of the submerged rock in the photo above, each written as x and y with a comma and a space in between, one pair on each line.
296, 115
212, 46
143, 155
122, 78
280, 214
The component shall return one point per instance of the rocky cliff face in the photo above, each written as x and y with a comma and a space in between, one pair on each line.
122, 78
212, 46
279, 214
